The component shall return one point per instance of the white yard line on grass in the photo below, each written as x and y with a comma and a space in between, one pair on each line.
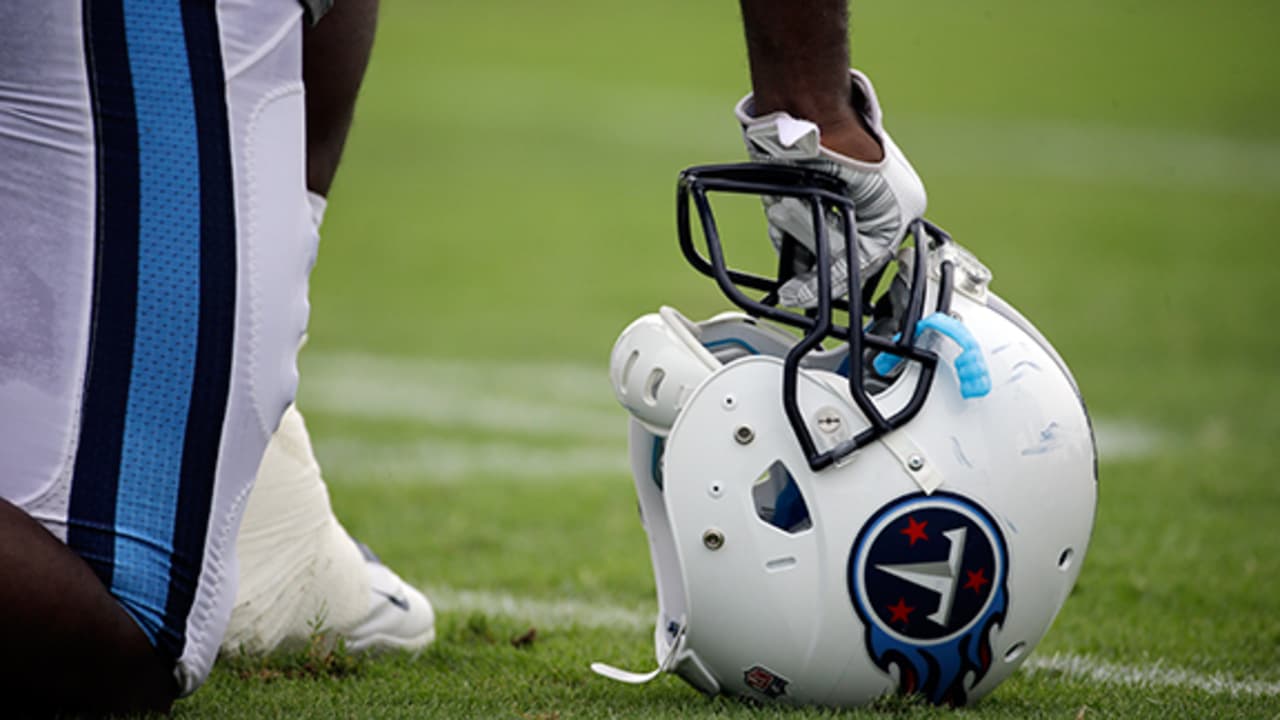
546, 614
522, 398
443, 462
525, 403
1127, 439
553, 614
1154, 675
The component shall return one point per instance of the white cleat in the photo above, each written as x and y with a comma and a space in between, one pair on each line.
399, 617
299, 570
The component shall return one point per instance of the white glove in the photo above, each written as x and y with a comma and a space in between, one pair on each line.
887, 195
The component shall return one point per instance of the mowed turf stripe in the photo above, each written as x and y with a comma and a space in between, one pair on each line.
568, 613
527, 401
519, 398
544, 613
444, 462
953, 145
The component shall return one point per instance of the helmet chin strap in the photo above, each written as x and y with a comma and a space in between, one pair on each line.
915, 462
633, 678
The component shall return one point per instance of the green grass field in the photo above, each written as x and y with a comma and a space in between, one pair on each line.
505, 208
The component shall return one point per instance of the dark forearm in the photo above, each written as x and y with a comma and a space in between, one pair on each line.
334, 56
799, 56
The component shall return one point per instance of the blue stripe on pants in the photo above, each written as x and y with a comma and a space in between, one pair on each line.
162, 331
167, 315
217, 312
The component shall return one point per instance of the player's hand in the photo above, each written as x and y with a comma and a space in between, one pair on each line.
887, 195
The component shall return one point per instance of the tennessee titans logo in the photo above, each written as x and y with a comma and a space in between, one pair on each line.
927, 578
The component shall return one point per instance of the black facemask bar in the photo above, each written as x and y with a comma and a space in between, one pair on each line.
823, 193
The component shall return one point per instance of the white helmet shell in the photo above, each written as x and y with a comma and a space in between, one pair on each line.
932, 560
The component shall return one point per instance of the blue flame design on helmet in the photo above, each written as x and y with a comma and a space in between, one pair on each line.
928, 578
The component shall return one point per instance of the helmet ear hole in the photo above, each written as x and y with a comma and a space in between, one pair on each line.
1064, 559
779, 502
630, 365
1014, 652
653, 384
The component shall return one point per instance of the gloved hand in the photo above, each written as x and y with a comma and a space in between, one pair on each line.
887, 195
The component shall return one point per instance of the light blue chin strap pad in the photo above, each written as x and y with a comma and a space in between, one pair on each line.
971, 368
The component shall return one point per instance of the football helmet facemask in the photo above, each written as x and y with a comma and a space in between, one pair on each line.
840, 509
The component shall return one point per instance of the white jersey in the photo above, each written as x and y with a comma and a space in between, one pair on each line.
155, 242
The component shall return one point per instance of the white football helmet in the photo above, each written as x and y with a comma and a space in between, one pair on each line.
907, 511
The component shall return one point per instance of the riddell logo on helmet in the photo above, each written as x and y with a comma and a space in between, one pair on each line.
927, 579
764, 681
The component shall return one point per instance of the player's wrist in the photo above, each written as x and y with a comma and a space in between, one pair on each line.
843, 129
850, 137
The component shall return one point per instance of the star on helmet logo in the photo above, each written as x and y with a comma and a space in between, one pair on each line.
914, 530
900, 611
